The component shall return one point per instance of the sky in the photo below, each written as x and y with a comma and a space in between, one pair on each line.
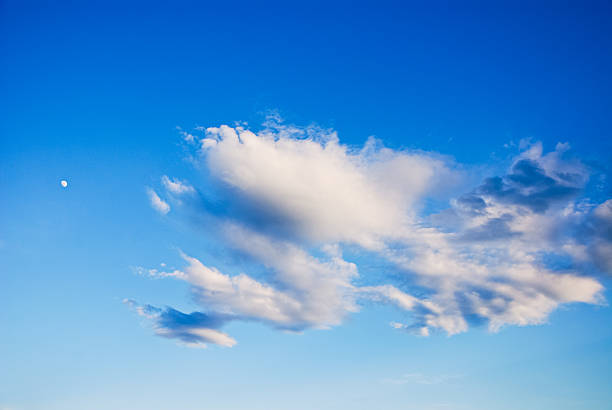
353, 205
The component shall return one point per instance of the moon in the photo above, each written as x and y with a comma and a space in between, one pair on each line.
64, 183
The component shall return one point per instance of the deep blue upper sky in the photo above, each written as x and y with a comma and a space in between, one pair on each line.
94, 92
471, 72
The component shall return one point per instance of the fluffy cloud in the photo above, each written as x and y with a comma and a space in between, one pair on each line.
318, 189
508, 252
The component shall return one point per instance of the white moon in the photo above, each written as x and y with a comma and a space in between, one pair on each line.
64, 183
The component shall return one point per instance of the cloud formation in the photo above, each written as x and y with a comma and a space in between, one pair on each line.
508, 252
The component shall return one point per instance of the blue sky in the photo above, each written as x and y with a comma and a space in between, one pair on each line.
356, 205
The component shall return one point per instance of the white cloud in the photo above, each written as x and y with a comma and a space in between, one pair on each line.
176, 186
188, 137
155, 273
157, 203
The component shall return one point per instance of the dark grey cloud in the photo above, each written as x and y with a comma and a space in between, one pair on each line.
494, 228
583, 231
528, 185
471, 203
599, 236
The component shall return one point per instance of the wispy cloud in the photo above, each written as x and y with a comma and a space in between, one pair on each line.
157, 203
192, 329
176, 186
